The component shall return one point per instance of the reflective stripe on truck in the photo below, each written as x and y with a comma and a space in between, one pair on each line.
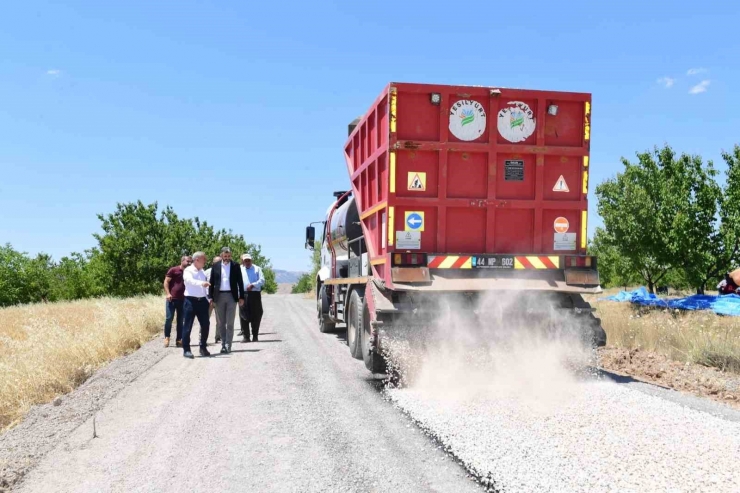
517, 262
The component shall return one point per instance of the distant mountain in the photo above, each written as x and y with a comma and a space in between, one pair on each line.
286, 277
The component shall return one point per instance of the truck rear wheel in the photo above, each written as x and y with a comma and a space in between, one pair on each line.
369, 343
322, 307
354, 324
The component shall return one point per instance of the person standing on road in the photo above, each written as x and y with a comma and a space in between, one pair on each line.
226, 291
210, 305
196, 304
174, 290
254, 280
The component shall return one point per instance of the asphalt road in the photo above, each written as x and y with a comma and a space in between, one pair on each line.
295, 412
291, 413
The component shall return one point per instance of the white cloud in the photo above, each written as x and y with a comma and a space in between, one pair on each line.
666, 81
54, 72
696, 71
700, 87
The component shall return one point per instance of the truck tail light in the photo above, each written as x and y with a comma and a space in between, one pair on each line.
580, 262
410, 259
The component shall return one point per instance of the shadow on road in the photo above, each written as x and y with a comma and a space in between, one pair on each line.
341, 335
626, 379
245, 351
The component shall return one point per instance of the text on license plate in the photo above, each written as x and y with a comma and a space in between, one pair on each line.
493, 262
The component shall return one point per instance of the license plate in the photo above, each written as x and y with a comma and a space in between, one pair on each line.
493, 262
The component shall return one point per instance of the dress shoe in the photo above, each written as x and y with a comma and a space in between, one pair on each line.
228, 348
188, 355
166, 342
204, 352
246, 340
179, 343
256, 339
223, 350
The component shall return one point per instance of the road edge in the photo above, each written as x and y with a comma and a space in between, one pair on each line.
46, 426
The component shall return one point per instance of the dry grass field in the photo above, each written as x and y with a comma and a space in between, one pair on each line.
695, 352
49, 349
700, 337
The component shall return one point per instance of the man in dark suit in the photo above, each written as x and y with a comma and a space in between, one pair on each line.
226, 291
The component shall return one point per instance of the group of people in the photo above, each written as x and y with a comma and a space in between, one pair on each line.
192, 293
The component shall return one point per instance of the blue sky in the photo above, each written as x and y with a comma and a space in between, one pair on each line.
237, 111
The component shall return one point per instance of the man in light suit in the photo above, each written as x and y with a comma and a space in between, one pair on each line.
226, 291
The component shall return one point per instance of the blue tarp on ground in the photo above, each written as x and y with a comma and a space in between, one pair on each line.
721, 305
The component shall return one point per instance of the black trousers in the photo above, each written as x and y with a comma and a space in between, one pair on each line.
253, 312
195, 308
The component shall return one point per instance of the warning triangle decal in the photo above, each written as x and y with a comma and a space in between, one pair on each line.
560, 185
416, 184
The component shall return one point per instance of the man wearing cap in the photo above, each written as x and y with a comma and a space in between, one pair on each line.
226, 291
254, 280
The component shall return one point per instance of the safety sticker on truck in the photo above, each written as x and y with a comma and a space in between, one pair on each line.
560, 185
564, 241
408, 240
414, 221
561, 225
417, 181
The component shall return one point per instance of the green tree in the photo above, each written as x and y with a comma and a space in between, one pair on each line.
24, 279
139, 243
671, 219
615, 269
636, 209
78, 276
304, 284
315, 265
12, 285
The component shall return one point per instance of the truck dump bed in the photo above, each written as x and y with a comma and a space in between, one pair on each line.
476, 178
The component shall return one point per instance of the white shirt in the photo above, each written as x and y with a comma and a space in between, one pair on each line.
225, 276
194, 282
253, 276
208, 275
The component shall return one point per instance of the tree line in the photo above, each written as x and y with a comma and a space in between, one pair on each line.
137, 245
669, 221
307, 282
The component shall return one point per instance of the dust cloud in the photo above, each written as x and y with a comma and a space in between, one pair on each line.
497, 346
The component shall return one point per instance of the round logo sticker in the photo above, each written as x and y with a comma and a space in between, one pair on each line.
516, 122
467, 119
561, 225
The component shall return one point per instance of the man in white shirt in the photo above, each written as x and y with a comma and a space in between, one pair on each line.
195, 304
254, 280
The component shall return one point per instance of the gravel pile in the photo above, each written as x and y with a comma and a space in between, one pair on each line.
587, 436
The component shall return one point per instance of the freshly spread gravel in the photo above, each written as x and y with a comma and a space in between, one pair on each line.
593, 436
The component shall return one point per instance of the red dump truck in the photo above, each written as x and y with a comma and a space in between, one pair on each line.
457, 191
